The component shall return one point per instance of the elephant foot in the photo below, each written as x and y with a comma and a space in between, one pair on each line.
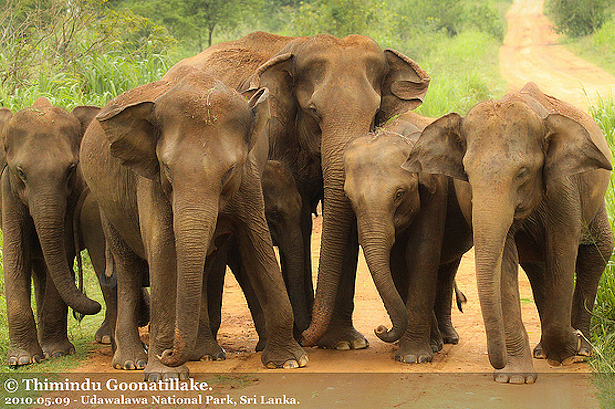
518, 371
57, 348
155, 371
129, 359
342, 339
18, 356
586, 348
538, 353
561, 348
103, 334
436, 344
209, 351
414, 353
288, 356
449, 334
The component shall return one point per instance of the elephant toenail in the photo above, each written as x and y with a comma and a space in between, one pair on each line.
530, 379
303, 361
410, 359
271, 365
343, 346
221, 356
553, 362
57, 354
36, 359
424, 358
129, 365
290, 364
568, 361
25, 360
501, 378
516, 379
141, 364
12, 361
153, 377
184, 376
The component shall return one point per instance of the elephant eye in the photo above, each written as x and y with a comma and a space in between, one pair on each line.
274, 216
167, 173
70, 172
21, 174
523, 172
400, 193
314, 111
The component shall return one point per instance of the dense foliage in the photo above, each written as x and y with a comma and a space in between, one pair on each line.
579, 17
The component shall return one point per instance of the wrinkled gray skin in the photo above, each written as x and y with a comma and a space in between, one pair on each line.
91, 236
326, 91
532, 172
412, 232
283, 212
41, 185
169, 166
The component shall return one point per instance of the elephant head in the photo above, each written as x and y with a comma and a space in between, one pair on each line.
41, 151
325, 92
510, 152
192, 141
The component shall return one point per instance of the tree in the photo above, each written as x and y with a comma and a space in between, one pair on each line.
580, 17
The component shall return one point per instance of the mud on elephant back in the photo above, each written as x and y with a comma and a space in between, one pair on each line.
171, 166
39, 196
531, 173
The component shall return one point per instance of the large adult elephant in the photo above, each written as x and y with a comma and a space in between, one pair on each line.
325, 91
532, 173
172, 166
41, 185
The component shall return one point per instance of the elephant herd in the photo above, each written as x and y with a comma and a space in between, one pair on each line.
230, 153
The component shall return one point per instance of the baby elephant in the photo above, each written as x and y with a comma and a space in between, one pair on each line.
413, 236
41, 185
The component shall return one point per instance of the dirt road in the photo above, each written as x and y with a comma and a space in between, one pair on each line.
460, 375
531, 53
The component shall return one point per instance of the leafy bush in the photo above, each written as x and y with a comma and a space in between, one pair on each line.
579, 17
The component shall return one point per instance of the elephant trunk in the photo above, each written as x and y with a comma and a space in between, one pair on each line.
376, 236
292, 260
194, 228
49, 215
337, 225
491, 221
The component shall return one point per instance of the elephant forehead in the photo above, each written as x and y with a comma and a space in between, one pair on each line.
39, 123
497, 120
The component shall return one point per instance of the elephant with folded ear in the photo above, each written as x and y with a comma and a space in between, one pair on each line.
531, 173
172, 167
41, 184
412, 232
325, 92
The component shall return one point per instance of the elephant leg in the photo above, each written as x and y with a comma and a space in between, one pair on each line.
94, 240
535, 273
306, 231
444, 299
129, 352
591, 262
341, 334
52, 326
282, 350
24, 347
207, 348
519, 367
236, 265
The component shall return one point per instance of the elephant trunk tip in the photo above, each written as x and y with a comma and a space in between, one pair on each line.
172, 358
309, 337
86, 307
385, 335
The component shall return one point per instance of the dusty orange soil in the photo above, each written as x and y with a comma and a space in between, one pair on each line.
531, 53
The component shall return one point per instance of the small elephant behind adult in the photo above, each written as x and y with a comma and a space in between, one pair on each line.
283, 206
413, 236
41, 184
530, 172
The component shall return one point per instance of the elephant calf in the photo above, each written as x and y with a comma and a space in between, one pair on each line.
41, 185
172, 167
531, 173
412, 233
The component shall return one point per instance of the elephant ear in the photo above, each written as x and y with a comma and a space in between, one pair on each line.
85, 114
5, 117
132, 136
439, 150
404, 86
570, 149
259, 105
